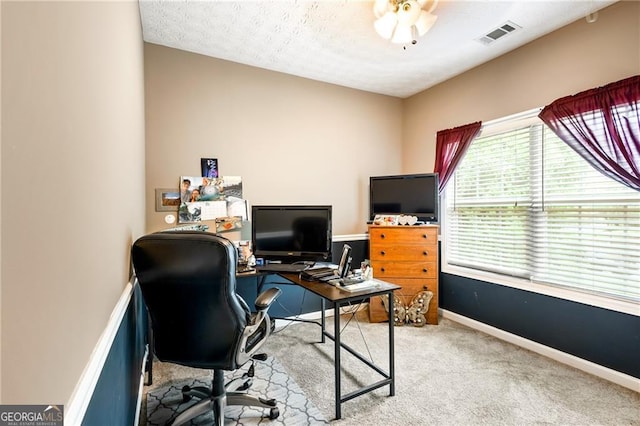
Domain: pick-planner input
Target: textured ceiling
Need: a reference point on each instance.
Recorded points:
(334, 41)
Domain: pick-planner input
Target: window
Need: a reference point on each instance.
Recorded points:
(523, 204)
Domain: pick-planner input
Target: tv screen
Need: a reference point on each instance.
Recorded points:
(413, 195)
(291, 233)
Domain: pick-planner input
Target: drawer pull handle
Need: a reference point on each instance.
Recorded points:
(424, 270)
(381, 269)
(382, 236)
(382, 253)
(424, 235)
(425, 253)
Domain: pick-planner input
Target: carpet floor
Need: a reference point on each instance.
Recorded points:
(164, 401)
(447, 374)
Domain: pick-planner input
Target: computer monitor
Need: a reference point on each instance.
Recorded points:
(345, 261)
(413, 195)
(291, 233)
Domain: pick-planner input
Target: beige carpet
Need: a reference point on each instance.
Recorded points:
(451, 375)
(445, 375)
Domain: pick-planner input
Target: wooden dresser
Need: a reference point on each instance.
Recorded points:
(406, 256)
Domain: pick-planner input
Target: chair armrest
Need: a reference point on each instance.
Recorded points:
(263, 301)
(266, 298)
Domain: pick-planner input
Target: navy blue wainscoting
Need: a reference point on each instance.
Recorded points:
(293, 301)
(602, 336)
(115, 397)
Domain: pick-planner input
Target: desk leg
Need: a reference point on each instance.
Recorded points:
(336, 342)
(323, 318)
(392, 374)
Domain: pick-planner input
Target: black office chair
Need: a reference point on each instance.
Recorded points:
(188, 281)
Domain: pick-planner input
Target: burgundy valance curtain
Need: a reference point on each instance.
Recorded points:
(603, 126)
(451, 144)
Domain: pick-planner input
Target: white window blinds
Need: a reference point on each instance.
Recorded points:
(524, 204)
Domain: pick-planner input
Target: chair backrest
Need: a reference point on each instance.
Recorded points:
(188, 281)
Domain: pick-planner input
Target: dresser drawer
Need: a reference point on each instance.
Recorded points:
(407, 252)
(410, 286)
(403, 235)
(386, 269)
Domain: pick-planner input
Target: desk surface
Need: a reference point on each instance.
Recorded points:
(326, 290)
(335, 294)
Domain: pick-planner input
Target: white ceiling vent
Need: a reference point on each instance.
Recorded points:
(499, 32)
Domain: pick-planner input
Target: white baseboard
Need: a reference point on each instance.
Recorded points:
(76, 408)
(621, 379)
(141, 385)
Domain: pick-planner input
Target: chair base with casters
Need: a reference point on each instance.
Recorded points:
(219, 396)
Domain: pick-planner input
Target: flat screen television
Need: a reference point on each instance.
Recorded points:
(413, 195)
(291, 233)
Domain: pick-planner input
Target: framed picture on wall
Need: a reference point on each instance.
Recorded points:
(167, 199)
(209, 167)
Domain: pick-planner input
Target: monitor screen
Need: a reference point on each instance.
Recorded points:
(414, 195)
(291, 233)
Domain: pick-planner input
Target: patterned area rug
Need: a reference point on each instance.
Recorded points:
(270, 380)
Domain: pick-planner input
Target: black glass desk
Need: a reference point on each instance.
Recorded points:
(336, 298)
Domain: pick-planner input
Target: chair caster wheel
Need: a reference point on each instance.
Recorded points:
(246, 385)
(270, 402)
(185, 396)
(274, 413)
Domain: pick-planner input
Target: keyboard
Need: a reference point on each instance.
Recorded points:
(282, 267)
(319, 274)
(321, 270)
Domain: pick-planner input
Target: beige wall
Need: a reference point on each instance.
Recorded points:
(577, 57)
(291, 139)
(297, 141)
(72, 185)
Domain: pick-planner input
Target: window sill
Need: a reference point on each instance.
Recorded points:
(622, 306)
